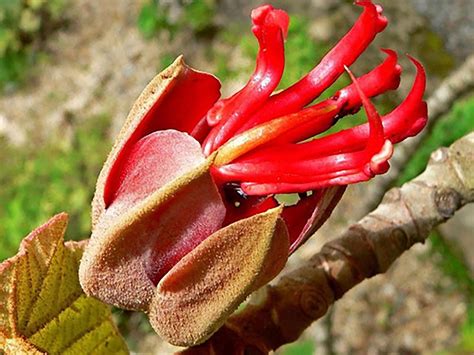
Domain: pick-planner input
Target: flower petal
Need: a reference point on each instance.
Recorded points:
(194, 299)
(176, 98)
(310, 213)
(145, 233)
(152, 162)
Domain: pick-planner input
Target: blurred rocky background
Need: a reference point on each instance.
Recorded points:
(71, 69)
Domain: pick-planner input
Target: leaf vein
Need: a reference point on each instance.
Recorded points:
(74, 299)
(83, 334)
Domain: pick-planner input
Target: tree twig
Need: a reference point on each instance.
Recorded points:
(405, 217)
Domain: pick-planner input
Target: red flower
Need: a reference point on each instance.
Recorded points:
(186, 223)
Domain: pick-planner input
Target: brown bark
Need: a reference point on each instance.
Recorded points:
(405, 217)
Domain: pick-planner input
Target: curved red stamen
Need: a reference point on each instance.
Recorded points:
(381, 79)
(266, 132)
(409, 118)
(294, 171)
(349, 48)
(283, 187)
(384, 77)
(337, 178)
(376, 136)
(404, 121)
(303, 171)
(317, 118)
(322, 171)
(269, 27)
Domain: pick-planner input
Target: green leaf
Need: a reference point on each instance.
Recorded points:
(42, 306)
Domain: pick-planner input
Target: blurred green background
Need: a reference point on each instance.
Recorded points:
(70, 69)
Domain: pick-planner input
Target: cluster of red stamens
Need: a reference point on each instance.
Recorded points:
(263, 140)
(260, 136)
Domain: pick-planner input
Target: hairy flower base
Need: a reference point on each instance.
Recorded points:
(185, 220)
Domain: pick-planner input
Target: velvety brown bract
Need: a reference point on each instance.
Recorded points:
(194, 299)
(125, 263)
(114, 266)
(161, 91)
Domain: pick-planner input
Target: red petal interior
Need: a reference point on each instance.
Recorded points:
(187, 219)
(191, 96)
(153, 161)
(309, 214)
